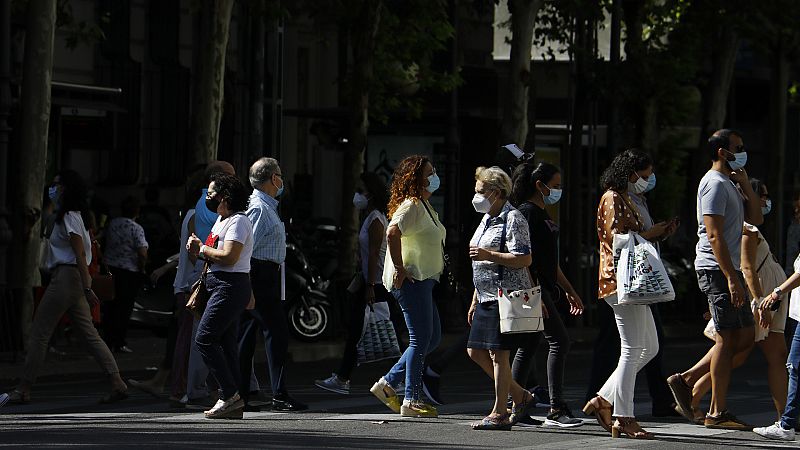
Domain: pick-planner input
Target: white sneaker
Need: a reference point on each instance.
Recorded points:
(775, 431)
(232, 408)
(334, 384)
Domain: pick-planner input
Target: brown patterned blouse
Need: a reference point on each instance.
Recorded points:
(615, 215)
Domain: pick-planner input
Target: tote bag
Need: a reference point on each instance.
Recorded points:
(378, 340)
(520, 311)
(641, 276)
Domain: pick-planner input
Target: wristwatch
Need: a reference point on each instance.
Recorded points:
(778, 291)
(200, 252)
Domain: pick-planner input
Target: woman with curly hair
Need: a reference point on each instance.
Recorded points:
(227, 251)
(616, 214)
(414, 262)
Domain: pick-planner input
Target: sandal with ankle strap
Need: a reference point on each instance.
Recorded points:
(490, 422)
(625, 427)
(595, 407)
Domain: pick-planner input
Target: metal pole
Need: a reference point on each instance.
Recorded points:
(5, 132)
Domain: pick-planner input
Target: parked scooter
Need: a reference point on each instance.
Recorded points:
(307, 305)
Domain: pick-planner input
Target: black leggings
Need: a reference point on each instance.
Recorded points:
(555, 333)
(356, 325)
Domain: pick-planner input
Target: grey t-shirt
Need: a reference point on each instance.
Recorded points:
(718, 196)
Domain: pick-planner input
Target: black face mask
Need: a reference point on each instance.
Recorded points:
(212, 204)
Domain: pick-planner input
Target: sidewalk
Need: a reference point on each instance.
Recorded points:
(149, 350)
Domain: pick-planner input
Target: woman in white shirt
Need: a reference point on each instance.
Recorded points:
(414, 262)
(69, 291)
(371, 199)
(227, 250)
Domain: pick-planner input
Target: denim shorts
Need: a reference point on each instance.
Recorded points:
(726, 316)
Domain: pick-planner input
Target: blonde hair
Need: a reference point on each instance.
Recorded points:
(494, 178)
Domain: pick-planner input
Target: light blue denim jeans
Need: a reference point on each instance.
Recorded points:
(792, 411)
(424, 334)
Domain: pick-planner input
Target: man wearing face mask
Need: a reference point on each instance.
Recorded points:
(722, 210)
(269, 252)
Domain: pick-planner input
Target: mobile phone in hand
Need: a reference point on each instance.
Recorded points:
(775, 306)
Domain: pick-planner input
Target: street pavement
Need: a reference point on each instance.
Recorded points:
(65, 413)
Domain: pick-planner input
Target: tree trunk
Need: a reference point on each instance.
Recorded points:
(613, 130)
(514, 128)
(362, 40)
(257, 88)
(715, 101)
(578, 213)
(34, 123)
(777, 140)
(209, 92)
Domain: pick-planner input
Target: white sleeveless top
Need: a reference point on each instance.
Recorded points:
(363, 245)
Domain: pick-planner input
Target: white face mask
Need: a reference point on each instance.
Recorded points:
(360, 201)
(638, 187)
(481, 203)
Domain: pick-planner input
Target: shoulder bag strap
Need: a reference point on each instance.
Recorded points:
(437, 223)
(501, 270)
(763, 262)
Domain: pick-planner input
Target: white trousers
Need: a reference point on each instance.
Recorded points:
(637, 333)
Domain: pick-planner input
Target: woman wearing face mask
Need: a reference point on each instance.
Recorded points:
(534, 187)
(69, 291)
(616, 214)
(762, 274)
(371, 200)
(414, 262)
(500, 250)
(227, 251)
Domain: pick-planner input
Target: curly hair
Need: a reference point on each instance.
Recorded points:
(407, 181)
(616, 176)
(525, 177)
(231, 189)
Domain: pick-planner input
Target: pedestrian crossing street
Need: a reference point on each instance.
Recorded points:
(142, 412)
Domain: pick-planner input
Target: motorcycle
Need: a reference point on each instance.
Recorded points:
(307, 304)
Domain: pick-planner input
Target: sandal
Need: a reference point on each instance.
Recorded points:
(17, 397)
(114, 397)
(490, 422)
(629, 427)
(600, 408)
(524, 410)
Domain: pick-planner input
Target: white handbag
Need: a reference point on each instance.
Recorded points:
(520, 311)
(641, 276)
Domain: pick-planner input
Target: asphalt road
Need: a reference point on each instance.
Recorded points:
(65, 413)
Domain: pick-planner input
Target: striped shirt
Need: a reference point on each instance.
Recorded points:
(268, 230)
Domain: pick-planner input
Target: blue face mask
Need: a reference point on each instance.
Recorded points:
(52, 193)
(434, 183)
(280, 189)
(739, 161)
(651, 183)
(766, 209)
(553, 198)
